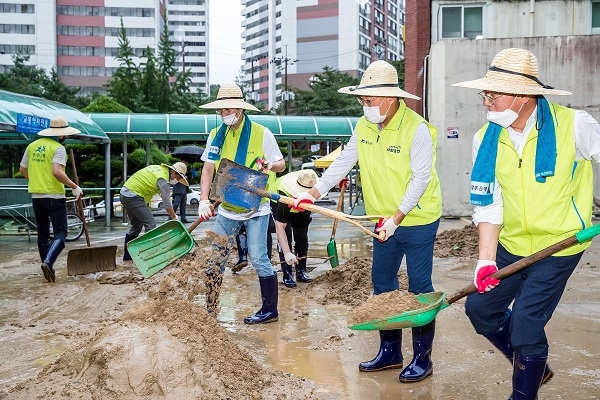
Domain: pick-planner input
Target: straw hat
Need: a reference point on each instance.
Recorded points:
(298, 181)
(380, 79)
(513, 71)
(230, 96)
(181, 170)
(58, 127)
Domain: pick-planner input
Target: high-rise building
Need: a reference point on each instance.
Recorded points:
(80, 39)
(287, 42)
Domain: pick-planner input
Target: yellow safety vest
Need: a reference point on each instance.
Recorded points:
(537, 215)
(143, 182)
(384, 160)
(41, 179)
(255, 149)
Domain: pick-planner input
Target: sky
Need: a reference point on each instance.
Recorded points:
(225, 40)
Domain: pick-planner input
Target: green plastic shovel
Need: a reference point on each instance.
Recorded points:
(332, 246)
(435, 301)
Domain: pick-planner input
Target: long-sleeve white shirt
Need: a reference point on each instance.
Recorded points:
(587, 145)
(421, 156)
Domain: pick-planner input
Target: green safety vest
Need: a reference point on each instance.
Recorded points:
(538, 215)
(143, 182)
(384, 160)
(41, 179)
(255, 149)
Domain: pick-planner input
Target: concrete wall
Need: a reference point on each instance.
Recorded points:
(566, 62)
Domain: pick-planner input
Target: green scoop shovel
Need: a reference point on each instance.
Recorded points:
(435, 301)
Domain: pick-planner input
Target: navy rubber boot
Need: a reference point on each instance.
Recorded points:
(54, 249)
(268, 311)
(500, 338)
(128, 238)
(421, 366)
(528, 373)
(389, 355)
(288, 278)
(301, 269)
(242, 248)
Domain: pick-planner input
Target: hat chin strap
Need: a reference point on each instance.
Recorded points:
(533, 78)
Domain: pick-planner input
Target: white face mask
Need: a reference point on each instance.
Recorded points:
(173, 181)
(504, 118)
(230, 119)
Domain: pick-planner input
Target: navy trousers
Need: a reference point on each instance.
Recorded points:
(536, 291)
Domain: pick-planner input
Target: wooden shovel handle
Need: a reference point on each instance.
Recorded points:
(339, 208)
(519, 265)
(79, 201)
(198, 220)
(311, 207)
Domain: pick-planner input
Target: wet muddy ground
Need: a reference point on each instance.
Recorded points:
(118, 336)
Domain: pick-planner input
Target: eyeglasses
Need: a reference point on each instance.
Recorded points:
(368, 103)
(490, 98)
(225, 111)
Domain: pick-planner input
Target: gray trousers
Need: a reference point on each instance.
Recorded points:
(139, 214)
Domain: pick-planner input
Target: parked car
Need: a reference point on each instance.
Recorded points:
(193, 198)
(99, 210)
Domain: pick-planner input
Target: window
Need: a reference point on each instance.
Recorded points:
(596, 16)
(459, 22)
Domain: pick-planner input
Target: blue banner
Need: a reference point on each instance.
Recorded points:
(31, 124)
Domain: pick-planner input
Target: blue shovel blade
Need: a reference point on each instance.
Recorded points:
(233, 181)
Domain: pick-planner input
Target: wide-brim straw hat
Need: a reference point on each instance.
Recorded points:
(58, 127)
(513, 71)
(381, 80)
(230, 96)
(181, 170)
(297, 182)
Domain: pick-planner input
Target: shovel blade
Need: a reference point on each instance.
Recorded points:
(160, 246)
(91, 259)
(231, 183)
(332, 253)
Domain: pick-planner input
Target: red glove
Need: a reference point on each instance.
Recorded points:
(483, 280)
(303, 197)
(264, 165)
(344, 182)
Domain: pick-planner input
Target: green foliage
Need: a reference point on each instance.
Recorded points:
(105, 104)
(323, 97)
(399, 65)
(124, 83)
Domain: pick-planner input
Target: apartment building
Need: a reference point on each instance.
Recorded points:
(285, 43)
(80, 38)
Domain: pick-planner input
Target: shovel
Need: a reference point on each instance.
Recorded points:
(435, 301)
(162, 245)
(90, 259)
(243, 187)
(331, 246)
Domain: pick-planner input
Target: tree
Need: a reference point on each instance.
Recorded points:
(166, 71)
(55, 89)
(323, 98)
(105, 104)
(123, 86)
(399, 65)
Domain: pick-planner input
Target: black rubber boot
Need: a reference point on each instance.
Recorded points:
(421, 366)
(213, 281)
(43, 250)
(288, 278)
(268, 311)
(54, 249)
(128, 238)
(242, 249)
(301, 269)
(389, 355)
(528, 373)
(500, 338)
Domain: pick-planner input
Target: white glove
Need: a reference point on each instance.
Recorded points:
(77, 192)
(482, 279)
(388, 226)
(307, 197)
(204, 209)
(264, 164)
(290, 258)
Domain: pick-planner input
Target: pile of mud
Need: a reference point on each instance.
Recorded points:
(383, 306)
(461, 243)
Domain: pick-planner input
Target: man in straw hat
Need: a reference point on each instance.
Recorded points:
(532, 186)
(395, 148)
(293, 224)
(138, 190)
(43, 165)
(242, 141)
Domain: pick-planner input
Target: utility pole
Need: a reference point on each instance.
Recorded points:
(285, 95)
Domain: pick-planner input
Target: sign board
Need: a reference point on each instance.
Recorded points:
(452, 132)
(315, 147)
(31, 124)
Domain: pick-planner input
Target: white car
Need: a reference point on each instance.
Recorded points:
(98, 210)
(193, 198)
